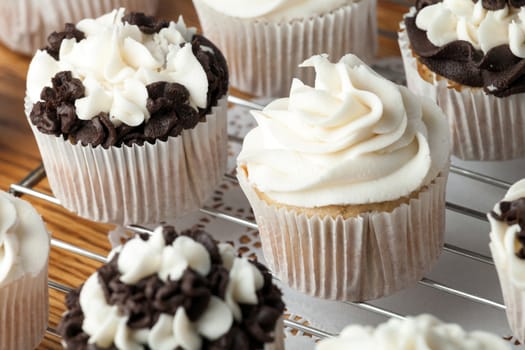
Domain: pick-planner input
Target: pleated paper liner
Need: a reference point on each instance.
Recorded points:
(263, 57)
(138, 184)
(26, 24)
(513, 297)
(482, 127)
(359, 258)
(24, 311)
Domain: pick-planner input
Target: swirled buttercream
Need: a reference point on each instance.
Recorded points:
(116, 61)
(24, 241)
(507, 222)
(275, 10)
(354, 138)
(423, 332)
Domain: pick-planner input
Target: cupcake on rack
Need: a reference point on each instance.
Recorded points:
(129, 114)
(25, 25)
(175, 291)
(24, 252)
(469, 57)
(347, 182)
(507, 244)
(265, 41)
(423, 332)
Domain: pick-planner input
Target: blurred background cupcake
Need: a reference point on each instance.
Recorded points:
(413, 333)
(347, 182)
(469, 57)
(24, 252)
(25, 24)
(129, 114)
(265, 41)
(507, 245)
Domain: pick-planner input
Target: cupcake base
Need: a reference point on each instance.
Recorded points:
(24, 311)
(482, 127)
(264, 56)
(138, 184)
(359, 258)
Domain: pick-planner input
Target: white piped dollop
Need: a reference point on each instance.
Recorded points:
(353, 138)
(116, 61)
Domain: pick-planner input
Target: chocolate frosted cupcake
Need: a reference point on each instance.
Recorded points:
(469, 57)
(129, 114)
(175, 291)
(507, 244)
(24, 251)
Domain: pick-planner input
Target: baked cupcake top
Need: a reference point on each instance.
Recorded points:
(275, 10)
(124, 79)
(474, 43)
(507, 222)
(354, 138)
(174, 291)
(24, 241)
(424, 332)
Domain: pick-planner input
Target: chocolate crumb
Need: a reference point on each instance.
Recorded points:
(513, 213)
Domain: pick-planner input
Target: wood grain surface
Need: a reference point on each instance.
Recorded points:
(19, 155)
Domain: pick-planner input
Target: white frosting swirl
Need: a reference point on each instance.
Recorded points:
(503, 241)
(452, 20)
(423, 332)
(353, 138)
(139, 259)
(116, 61)
(275, 10)
(24, 241)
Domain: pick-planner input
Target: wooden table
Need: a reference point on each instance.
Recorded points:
(19, 155)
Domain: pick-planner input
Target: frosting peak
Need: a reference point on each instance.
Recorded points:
(369, 139)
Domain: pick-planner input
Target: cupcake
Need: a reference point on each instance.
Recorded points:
(24, 250)
(175, 291)
(264, 42)
(25, 24)
(347, 182)
(469, 57)
(423, 332)
(507, 222)
(129, 114)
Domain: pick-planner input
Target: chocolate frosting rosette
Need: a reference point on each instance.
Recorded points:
(469, 56)
(175, 291)
(129, 114)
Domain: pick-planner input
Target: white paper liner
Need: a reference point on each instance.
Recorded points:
(482, 127)
(26, 24)
(138, 184)
(513, 297)
(24, 311)
(362, 258)
(263, 57)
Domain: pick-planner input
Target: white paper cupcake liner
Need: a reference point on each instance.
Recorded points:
(513, 297)
(138, 184)
(24, 311)
(482, 127)
(26, 24)
(361, 258)
(263, 57)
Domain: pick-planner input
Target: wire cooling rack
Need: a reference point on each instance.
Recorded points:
(316, 328)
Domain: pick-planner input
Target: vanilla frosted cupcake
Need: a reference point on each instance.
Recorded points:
(423, 332)
(24, 250)
(507, 243)
(129, 114)
(347, 182)
(175, 291)
(265, 41)
(469, 57)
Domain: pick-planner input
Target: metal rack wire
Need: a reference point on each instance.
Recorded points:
(25, 187)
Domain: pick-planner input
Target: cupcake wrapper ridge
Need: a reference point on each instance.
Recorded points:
(356, 259)
(264, 56)
(138, 184)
